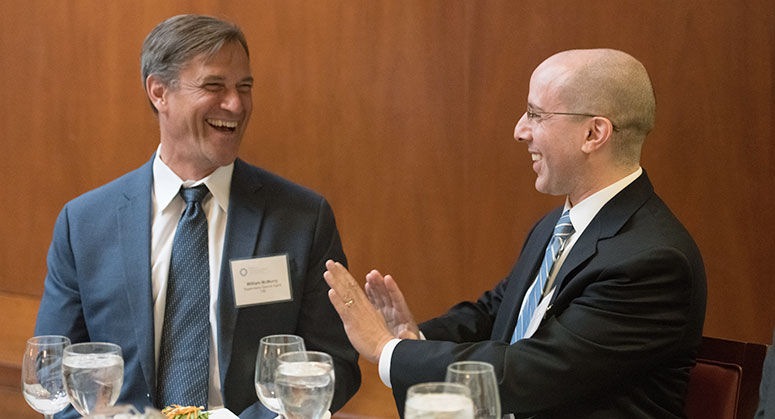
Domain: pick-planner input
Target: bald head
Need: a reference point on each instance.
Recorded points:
(609, 83)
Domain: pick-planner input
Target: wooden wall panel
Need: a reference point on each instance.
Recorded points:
(17, 326)
(401, 113)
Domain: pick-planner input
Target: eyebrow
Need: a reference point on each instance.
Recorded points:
(216, 78)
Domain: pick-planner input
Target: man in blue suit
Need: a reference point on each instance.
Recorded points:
(766, 408)
(113, 250)
(607, 323)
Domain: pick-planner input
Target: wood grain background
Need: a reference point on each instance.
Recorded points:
(401, 113)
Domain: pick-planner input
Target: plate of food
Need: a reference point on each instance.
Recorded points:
(193, 412)
(222, 414)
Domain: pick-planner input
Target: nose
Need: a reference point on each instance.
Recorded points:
(233, 101)
(522, 129)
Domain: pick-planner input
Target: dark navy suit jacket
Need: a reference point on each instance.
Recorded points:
(618, 339)
(98, 286)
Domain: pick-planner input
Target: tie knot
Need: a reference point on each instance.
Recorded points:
(195, 194)
(564, 227)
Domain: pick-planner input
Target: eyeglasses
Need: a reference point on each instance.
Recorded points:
(533, 115)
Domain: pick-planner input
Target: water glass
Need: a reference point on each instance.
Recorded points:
(479, 377)
(93, 373)
(269, 349)
(304, 382)
(42, 384)
(438, 401)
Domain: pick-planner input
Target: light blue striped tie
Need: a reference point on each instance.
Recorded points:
(562, 231)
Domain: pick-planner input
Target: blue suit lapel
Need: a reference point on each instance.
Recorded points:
(246, 212)
(134, 236)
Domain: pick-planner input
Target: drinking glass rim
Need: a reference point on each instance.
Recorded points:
(291, 339)
(462, 366)
(323, 356)
(114, 348)
(55, 340)
(421, 386)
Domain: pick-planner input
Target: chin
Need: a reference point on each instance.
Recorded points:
(541, 187)
(226, 161)
(548, 189)
(224, 155)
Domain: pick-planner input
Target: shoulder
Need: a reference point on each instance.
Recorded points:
(640, 217)
(637, 232)
(115, 192)
(654, 221)
(654, 247)
(249, 178)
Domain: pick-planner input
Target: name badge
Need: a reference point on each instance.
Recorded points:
(261, 280)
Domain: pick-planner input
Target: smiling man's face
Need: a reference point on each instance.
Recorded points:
(554, 141)
(204, 113)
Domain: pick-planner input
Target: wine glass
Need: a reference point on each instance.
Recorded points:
(479, 377)
(438, 401)
(42, 384)
(93, 372)
(269, 349)
(304, 382)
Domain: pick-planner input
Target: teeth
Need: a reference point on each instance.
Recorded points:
(219, 123)
(535, 156)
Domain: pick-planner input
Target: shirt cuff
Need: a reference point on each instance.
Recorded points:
(386, 357)
(384, 361)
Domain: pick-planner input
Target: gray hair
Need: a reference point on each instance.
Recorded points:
(177, 40)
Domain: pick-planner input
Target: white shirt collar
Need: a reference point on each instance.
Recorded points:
(583, 213)
(166, 184)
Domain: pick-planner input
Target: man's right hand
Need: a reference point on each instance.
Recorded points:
(384, 294)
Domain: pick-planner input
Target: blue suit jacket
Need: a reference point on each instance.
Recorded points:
(98, 286)
(766, 408)
(618, 339)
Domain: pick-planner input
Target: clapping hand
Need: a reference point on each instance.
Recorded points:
(384, 293)
(363, 323)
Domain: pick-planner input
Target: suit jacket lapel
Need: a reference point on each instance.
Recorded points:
(134, 236)
(523, 275)
(246, 211)
(608, 221)
(606, 224)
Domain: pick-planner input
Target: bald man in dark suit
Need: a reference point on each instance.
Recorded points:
(605, 325)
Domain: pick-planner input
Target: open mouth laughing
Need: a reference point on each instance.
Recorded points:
(221, 125)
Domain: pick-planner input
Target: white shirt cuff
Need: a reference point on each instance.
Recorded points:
(384, 361)
(386, 357)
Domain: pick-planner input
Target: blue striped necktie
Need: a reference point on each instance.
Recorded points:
(184, 357)
(562, 231)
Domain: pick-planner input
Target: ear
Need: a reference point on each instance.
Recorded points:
(599, 132)
(156, 91)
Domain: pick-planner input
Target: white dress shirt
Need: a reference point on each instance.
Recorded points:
(580, 215)
(168, 206)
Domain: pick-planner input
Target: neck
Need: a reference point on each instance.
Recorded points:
(599, 182)
(185, 171)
